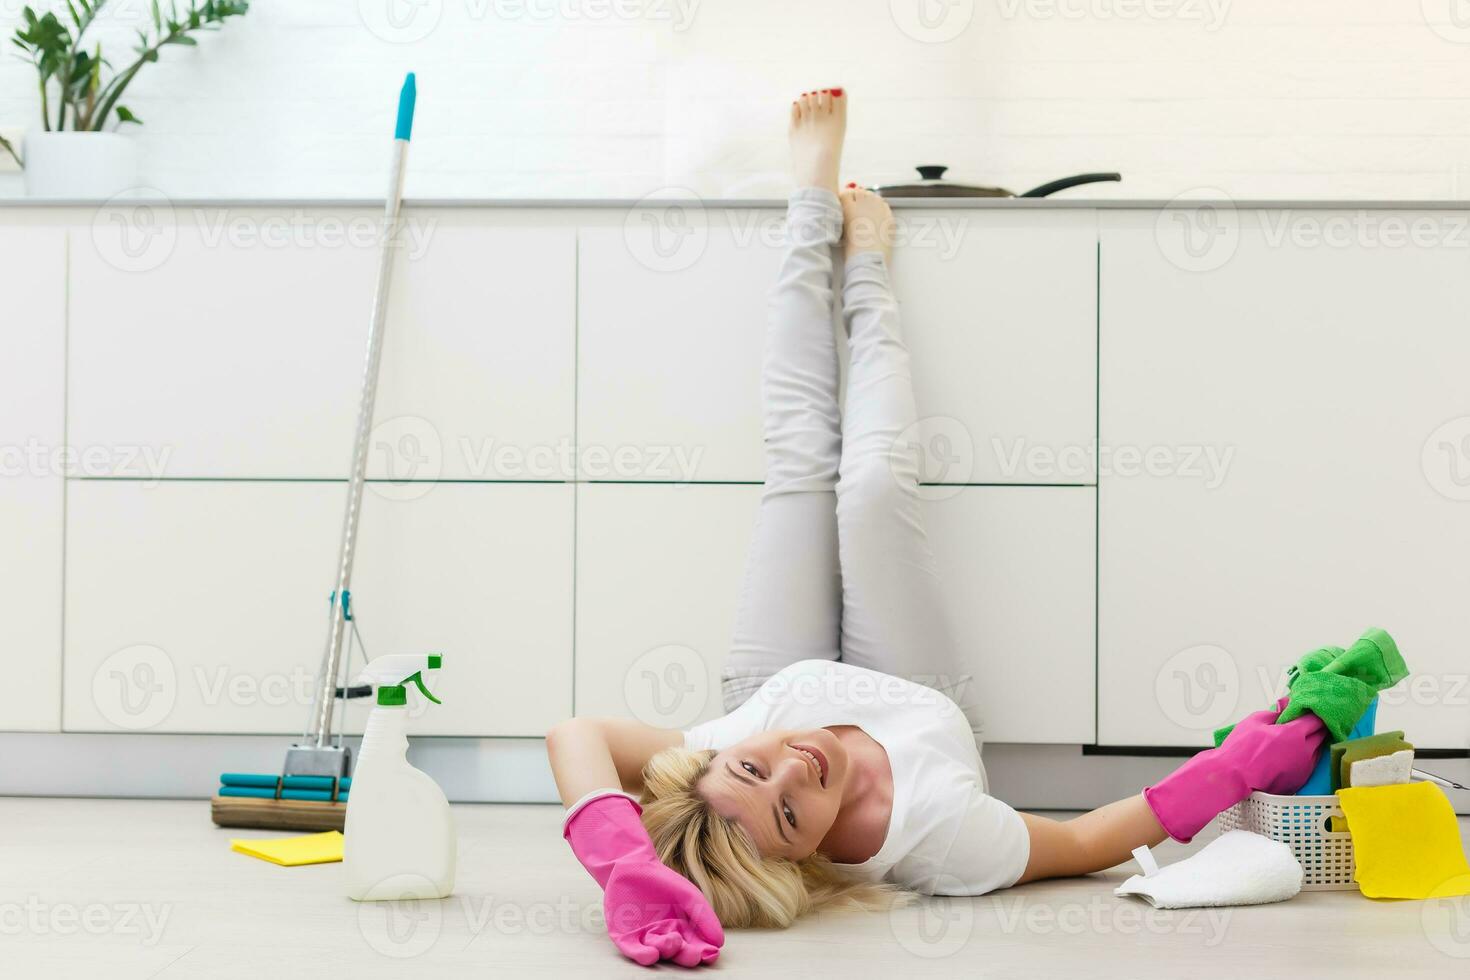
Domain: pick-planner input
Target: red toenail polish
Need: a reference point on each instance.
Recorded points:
(852, 185)
(825, 91)
(837, 91)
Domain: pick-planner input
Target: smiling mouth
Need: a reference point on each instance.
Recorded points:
(817, 759)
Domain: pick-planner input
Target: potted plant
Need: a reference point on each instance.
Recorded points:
(79, 152)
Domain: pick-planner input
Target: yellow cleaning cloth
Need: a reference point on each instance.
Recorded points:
(292, 851)
(1406, 841)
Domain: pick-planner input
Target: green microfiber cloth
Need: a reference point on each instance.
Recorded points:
(1344, 754)
(1336, 684)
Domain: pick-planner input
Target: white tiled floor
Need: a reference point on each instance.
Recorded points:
(119, 889)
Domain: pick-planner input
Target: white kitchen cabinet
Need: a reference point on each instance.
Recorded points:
(202, 606)
(1323, 366)
(235, 346)
(659, 571)
(669, 348)
(1000, 312)
(1019, 565)
(1285, 458)
(481, 347)
(196, 606)
(32, 464)
(483, 574)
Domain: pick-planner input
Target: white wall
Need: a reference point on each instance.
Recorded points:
(599, 98)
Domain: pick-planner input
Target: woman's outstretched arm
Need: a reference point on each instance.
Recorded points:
(1258, 754)
(589, 754)
(1092, 842)
(652, 913)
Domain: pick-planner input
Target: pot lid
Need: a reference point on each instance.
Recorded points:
(931, 183)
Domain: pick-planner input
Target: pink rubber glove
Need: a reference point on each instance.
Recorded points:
(653, 913)
(1257, 755)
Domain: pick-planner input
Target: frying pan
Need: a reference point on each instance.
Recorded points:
(931, 183)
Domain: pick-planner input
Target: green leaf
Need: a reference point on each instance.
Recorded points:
(124, 115)
(47, 34)
(5, 145)
(89, 102)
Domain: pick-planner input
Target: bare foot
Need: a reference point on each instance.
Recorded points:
(818, 123)
(867, 222)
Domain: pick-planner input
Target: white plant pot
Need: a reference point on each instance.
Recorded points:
(79, 165)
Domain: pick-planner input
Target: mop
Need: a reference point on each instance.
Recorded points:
(314, 784)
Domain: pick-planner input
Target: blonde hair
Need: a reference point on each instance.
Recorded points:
(745, 889)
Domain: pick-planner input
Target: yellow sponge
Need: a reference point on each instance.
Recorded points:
(292, 851)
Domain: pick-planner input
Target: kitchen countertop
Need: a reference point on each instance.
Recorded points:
(999, 204)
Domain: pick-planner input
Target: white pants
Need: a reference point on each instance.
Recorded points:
(840, 567)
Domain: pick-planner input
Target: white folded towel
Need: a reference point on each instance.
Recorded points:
(1240, 868)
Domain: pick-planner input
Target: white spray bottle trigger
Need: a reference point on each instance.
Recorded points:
(400, 669)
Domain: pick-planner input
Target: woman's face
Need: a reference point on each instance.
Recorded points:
(782, 788)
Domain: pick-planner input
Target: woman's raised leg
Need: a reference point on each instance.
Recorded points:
(896, 618)
(791, 601)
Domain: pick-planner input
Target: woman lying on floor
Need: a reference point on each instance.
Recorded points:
(848, 768)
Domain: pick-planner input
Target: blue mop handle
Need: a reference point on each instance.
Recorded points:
(319, 730)
(406, 97)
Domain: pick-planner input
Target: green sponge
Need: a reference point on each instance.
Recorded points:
(1344, 754)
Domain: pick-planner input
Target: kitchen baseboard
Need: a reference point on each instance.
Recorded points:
(510, 770)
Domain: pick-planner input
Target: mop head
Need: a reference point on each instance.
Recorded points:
(267, 814)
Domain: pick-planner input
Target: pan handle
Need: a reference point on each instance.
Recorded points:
(1046, 190)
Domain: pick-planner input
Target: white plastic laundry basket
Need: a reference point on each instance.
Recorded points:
(1302, 823)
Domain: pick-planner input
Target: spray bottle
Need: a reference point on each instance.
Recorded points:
(400, 839)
